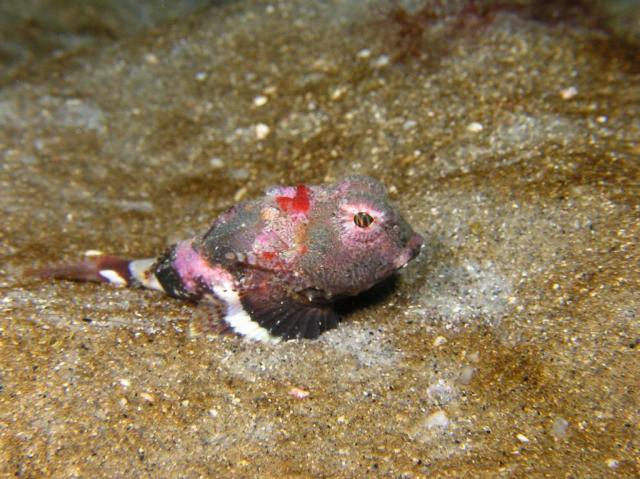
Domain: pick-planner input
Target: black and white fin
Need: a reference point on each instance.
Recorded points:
(237, 317)
(286, 316)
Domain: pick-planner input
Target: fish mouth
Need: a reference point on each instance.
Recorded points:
(414, 245)
(410, 251)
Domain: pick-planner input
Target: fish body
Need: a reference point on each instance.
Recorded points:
(271, 268)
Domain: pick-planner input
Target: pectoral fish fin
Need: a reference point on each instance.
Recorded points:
(287, 315)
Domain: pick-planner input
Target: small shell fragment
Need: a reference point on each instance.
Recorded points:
(147, 397)
(439, 341)
(262, 131)
(475, 127)
(299, 393)
(568, 93)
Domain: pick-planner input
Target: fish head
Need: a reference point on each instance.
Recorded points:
(355, 238)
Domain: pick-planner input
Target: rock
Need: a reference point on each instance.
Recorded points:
(437, 419)
(466, 374)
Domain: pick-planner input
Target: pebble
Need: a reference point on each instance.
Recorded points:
(559, 428)
(613, 463)
(437, 419)
(151, 59)
(216, 163)
(522, 437)
(262, 131)
(239, 174)
(299, 393)
(260, 100)
(125, 383)
(474, 357)
(568, 93)
(466, 375)
(338, 92)
(439, 341)
(381, 61)
(137, 206)
(240, 194)
(441, 392)
(147, 397)
(475, 127)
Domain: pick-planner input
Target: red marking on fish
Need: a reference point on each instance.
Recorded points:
(268, 255)
(298, 204)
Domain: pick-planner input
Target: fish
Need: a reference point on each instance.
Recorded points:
(272, 268)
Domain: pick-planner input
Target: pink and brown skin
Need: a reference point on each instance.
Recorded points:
(271, 268)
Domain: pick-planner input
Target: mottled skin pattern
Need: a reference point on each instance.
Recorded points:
(271, 268)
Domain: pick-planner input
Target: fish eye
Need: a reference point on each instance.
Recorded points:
(362, 219)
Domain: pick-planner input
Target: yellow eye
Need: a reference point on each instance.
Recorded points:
(362, 219)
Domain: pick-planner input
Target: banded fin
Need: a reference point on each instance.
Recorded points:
(101, 268)
(96, 267)
(287, 316)
(239, 319)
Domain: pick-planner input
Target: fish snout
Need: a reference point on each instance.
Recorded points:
(414, 245)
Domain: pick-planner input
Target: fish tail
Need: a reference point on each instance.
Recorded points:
(100, 268)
